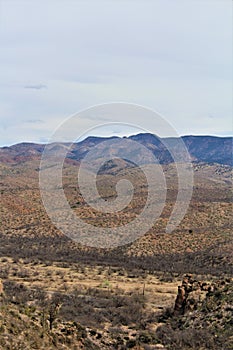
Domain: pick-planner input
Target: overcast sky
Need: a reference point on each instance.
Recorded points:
(57, 57)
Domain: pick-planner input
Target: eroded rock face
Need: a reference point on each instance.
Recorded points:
(1, 287)
(190, 294)
(180, 300)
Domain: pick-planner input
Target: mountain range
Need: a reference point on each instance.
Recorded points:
(207, 149)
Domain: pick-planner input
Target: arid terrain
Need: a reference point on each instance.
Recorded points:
(58, 294)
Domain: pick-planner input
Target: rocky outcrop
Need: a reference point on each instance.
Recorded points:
(1, 287)
(190, 294)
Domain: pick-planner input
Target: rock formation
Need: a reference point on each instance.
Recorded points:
(190, 294)
(1, 287)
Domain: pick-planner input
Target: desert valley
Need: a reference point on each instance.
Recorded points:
(162, 291)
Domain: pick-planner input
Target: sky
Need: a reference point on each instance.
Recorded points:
(60, 57)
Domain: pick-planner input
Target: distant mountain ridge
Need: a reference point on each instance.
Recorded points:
(207, 149)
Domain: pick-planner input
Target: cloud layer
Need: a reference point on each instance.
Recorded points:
(58, 57)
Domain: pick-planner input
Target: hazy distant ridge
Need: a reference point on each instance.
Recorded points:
(208, 149)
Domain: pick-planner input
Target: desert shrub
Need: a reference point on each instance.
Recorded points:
(131, 343)
(145, 337)
(185, 339)
(16, 292)
(62, 250)
(165, 314)
(4, 272)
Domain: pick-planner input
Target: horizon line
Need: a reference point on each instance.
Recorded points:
(120, 136)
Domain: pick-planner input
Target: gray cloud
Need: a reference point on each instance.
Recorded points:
(34, 121)
(36, 86)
